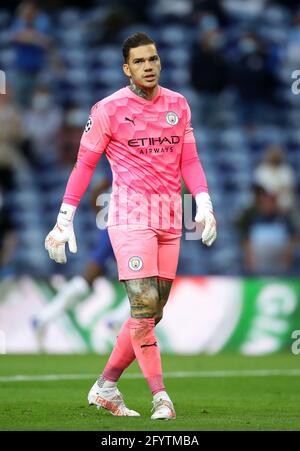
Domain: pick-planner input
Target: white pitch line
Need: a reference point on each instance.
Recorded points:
(174, 374)
(45, 377)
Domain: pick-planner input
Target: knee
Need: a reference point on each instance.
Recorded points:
(144, 303)
(158, 316)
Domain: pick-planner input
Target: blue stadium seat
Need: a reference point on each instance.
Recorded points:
(110, 56)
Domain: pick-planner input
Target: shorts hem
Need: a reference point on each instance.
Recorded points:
(136, 276)
(167, 276)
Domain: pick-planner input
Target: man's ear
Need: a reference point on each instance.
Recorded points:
(126, 69)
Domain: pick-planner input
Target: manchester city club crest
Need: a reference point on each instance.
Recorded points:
(88, 125)
(135, 263)
(172, 118)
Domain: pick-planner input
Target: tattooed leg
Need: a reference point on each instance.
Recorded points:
(148, 297)
(164, 288)
(143, 296)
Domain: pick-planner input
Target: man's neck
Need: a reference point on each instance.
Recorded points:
(148, 95)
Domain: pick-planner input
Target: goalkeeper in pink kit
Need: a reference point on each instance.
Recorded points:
(146, 132)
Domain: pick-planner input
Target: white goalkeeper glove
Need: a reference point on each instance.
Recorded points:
(61, 234)
(205, 217)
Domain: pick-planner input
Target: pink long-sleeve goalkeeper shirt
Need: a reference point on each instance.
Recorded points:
(149, 144)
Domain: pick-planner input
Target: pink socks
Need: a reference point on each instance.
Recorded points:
(121, 357)
(147, 351)
(136, 340)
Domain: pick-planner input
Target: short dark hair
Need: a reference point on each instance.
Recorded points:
(133, 41)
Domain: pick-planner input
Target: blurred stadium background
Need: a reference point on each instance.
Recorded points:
(234, 60)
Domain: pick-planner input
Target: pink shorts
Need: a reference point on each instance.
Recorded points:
(144, 252)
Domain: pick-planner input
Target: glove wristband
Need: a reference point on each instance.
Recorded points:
(203, 200)
(66, 214)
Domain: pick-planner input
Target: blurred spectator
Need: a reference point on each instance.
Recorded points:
(106, 29)
(244, 9)
(277, 176)
(268, 236)
(74, 122)
(43, 124)
(291, 4)
(201, 8)
(7, 234)
(11, 136)
(208, 66)
(31, 41)
(291, 49)
(251, 74)
(209, 71)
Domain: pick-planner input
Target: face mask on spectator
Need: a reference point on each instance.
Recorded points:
(41, 102)
(217, 41)
(248, 46)
(208, 22)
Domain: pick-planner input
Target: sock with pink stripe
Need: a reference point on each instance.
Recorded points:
(147, 352)
(121, 357)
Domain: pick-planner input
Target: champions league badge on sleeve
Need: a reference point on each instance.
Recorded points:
(88, 125)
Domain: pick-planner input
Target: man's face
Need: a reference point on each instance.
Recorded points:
(143, 66)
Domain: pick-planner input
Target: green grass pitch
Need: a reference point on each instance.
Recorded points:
(223, 392)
